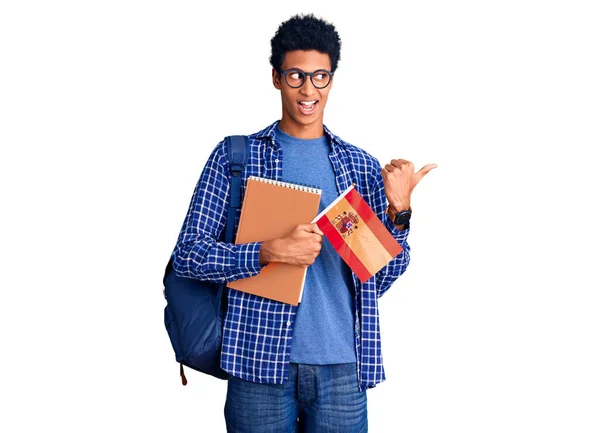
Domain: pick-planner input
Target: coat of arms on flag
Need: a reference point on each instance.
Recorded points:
(357, 234)
(346, 223)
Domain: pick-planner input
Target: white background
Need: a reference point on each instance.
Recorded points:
(108, 111)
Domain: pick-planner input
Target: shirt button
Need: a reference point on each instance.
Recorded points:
(289, 323)
(276, 160)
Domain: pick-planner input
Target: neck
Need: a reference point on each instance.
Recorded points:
(304, 132)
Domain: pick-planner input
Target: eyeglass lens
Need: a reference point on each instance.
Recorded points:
(319, 78)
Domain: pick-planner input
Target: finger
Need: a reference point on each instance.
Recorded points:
(317, 230)
(316, 237)
(426, 169)
(389, 167)
(400, 162)
(310, 228)
(385, 174)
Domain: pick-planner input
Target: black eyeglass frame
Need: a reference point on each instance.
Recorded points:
(304, 74)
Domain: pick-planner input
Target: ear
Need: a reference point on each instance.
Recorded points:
(277, 79)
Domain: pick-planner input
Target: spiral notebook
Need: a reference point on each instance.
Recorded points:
(271, 209)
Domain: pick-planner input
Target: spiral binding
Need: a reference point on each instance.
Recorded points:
(299, 187)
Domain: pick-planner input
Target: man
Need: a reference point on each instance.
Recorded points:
(300, 368)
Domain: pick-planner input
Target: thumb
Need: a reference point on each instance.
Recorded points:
(314, 228)
(426, 169)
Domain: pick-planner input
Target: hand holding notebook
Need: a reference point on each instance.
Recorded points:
(299, 247)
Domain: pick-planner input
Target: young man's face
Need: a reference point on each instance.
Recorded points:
(300, 116)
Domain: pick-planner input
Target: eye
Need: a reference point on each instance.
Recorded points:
(295, 75)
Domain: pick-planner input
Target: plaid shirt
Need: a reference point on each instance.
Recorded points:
(257, 333)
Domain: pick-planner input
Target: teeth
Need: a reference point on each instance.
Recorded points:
(308, 102)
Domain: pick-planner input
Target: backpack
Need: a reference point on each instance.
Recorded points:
(195, 309)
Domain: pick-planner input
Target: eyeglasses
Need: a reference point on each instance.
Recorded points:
(295, 77)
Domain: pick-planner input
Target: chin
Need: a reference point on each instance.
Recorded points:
(308, 120)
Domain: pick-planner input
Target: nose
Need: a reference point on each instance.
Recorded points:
(308, 88)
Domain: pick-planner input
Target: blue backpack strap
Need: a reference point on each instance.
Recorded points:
(238, 149)
(237, 146)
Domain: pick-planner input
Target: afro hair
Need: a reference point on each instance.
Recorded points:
(305, 32)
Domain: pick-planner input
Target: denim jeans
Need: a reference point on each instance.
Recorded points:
(317, 398)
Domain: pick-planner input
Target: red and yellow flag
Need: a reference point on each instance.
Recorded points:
(357, 234)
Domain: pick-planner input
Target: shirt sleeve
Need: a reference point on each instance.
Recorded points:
(396, 267)
(198, 253)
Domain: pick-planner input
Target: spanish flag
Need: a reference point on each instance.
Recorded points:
(357, 234)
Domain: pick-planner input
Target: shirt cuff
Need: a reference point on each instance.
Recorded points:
(247, 256)
(399, 235)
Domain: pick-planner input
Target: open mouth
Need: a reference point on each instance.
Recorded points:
(307, 107)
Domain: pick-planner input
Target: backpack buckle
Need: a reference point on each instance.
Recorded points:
(236, 164)
(236, 168)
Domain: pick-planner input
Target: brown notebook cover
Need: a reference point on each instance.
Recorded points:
(271, 209)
